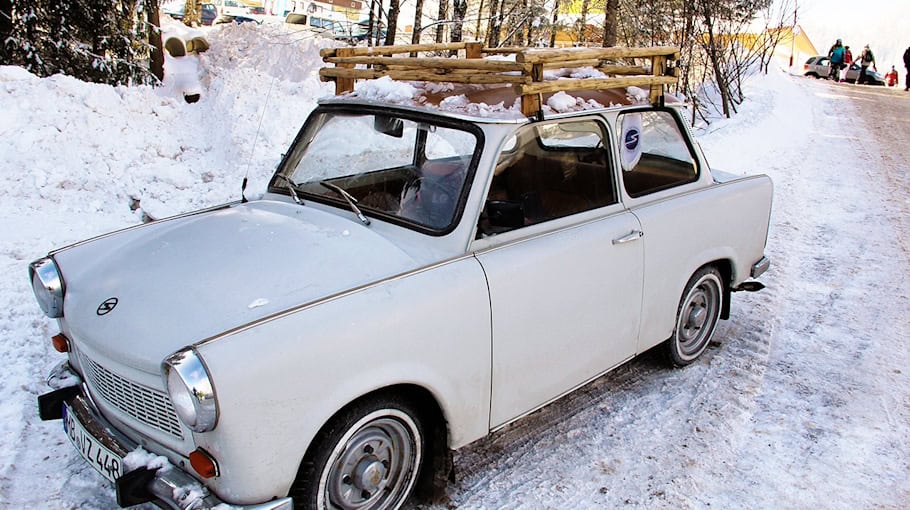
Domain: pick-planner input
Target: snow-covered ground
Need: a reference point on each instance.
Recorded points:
(802, 402)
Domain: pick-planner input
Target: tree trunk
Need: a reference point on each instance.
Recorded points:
(611, 14)
(371, 20)
(479, 18)
(459, 9)
(392, 25)
(711, 47)
(583, 21)
(491, 24)
(6, 21)
(443, 15)
(156, 55)
(554, 28)
(418, 14)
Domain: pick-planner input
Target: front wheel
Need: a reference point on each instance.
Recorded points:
(697, 316)
(367, 458)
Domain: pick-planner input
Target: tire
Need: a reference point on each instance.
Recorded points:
(696, 317)
(368, 457)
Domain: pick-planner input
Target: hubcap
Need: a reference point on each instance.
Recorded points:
(374, 466)
(698, 317)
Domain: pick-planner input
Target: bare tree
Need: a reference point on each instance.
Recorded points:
(459, 10)
(392, 25)
(555, 25)
(156, 52)
(443, 15)
(418, 14)
(611, 14)
(583, 22)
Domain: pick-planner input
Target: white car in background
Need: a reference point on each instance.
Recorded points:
(412, 280)
(820, 67)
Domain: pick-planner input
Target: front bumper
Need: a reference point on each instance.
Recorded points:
(172, 487)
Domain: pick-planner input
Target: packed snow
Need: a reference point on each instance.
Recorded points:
(803, 400)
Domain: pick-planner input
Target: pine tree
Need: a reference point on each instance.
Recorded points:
(93, 40)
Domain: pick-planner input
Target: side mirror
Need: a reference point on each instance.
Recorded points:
(391, 126)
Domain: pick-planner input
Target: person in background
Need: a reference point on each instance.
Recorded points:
(891, 77)
(848, 59)
(907, 65)
(836, 54)
(865, 60)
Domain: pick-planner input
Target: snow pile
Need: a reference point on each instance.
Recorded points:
(561, 102)
(461, 104)
(385, 90)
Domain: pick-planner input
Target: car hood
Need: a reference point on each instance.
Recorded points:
(182, 280)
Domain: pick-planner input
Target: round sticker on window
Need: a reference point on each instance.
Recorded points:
(630, 150)
(631, 141)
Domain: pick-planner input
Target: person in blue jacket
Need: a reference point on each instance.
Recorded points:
(836, 54)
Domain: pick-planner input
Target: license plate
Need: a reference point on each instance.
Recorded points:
(106, 462)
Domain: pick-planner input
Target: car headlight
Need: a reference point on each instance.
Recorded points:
(48, 286)
(190, 389)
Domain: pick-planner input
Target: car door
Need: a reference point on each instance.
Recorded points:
(563, 261)
(661, 178)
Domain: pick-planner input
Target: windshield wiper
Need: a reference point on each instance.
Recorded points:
(349, 198)
(292, 187)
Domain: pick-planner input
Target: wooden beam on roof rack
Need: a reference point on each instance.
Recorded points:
(533, 55)
(526, 72)
(393, 50)
(329, 74)
(593, 84)
(497, 66)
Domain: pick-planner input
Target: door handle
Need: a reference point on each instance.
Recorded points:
(634, 235)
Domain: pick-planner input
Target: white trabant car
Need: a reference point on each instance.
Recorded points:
(411, 281)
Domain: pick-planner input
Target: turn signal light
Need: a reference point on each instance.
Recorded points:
(203, 463)
(61, 343)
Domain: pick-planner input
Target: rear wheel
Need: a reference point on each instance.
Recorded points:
(367, 458)
(697, 316)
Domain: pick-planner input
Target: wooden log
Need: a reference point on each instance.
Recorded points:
(420, 75)
(658, 68)
(505, 50)
(622, 70)
(473, 50)
(392, 50)
(440, 63)
(531, 104)
(342, 84)
(569, 54)
(597, 64)
(593, 84)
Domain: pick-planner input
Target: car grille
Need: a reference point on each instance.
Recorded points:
(149, 406)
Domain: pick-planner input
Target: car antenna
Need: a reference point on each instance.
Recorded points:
(249, 162)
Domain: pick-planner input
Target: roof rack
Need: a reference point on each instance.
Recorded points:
(526, 73)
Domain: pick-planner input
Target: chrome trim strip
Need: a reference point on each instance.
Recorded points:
(760, 267)
(140, 225)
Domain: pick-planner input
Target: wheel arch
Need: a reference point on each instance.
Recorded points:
(725, 266)
(438, 466)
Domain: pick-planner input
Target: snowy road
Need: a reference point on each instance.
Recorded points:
(803, 401)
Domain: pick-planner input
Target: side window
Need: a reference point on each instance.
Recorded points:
(654, 154)
(548, 171)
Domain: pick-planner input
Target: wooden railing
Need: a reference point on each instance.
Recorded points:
(526, 73)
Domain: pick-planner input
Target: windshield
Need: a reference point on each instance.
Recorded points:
(390, 166)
